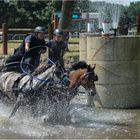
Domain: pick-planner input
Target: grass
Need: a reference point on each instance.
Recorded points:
(73, 40)
(73, 48)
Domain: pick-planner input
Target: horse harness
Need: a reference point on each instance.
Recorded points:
(45, 83)
(15, 88)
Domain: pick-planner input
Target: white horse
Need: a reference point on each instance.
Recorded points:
(23, 89)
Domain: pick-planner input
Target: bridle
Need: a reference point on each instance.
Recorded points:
(86, 79)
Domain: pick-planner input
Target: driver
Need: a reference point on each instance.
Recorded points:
(29, 50)
(57, 48)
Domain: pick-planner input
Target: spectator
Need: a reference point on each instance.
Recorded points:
(124, 24)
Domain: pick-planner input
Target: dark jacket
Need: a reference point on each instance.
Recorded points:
(32, 57)
(35, 46)
(56, 51)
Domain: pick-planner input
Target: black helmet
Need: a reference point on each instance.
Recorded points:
(40, 29)
(58, 32)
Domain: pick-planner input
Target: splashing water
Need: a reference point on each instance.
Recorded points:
(109, 13)
(116, 10)
(86, 123)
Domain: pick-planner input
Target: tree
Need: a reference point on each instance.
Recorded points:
(82, 6)
(30, 13)
(133, 10)
(33, 13)
(26, 13)
(67, 8)
(65, 20)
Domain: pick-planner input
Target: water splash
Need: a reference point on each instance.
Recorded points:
(92, 123)
(105, 13)
(109, 13)
(115, 15)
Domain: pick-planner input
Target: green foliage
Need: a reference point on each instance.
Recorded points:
(82, 5)
(27, 13)
(133, 10)
(31, 13)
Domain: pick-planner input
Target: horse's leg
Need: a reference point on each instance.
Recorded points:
(66, 105)
(36, 110)
(16, 106)
(0, 94)
(90, 97)
(93, 98)
(34, 107)
(18, 103)
(42, 107)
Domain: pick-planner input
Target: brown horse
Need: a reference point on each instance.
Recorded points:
(82, 74)
(84, 77)
(79, 74)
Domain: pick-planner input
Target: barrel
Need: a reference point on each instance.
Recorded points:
(83, 46)
(117, 62)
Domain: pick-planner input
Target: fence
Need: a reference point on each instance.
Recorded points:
(6, 34)
(17, 37)
(18, 34)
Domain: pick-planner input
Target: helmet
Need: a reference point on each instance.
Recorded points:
(40, 29)
(58, 32)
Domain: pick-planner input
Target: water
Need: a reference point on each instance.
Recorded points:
(86, 122)
(116, 11)
(109, 13)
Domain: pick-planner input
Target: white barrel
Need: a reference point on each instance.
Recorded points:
(117, 62)
(83, 46)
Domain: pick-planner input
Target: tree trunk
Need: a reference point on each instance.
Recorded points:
(65, 20)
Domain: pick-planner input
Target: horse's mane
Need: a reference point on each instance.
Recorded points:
(80, 65)
(40, 69)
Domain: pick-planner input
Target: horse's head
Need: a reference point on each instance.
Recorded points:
(83, 74)
(88, 78)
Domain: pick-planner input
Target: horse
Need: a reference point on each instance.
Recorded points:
(22, 89)
(82, 74)
(53, 83)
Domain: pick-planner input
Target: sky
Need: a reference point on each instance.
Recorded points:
(124, 2)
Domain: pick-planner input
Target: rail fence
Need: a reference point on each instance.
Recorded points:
(7, 34)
